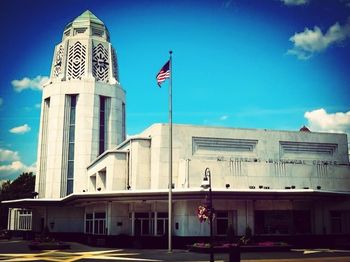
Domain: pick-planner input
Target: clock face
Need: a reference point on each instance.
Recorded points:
(58, 62)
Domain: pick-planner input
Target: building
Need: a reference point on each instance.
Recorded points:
(93, 182)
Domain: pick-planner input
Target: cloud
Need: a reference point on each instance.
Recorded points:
(14, 169)
(295, 2)
(27, 83)
(8, 155)
(20, 129)
(320, 120)
(224, 117)
(313, 40)
(11, 165)
(38, 106)
(1, 101)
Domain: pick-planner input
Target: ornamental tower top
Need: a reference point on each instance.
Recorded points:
(83, 109)
(85, 52)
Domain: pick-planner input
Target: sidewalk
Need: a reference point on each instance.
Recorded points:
(17, 250)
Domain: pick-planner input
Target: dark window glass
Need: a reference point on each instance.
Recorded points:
(222, 225)
(70, 171)
(69, 186)
(160, 227)
(336, 222)
(137, 227)
(145, 227)
(141, 215)
(88, 216)
(162, 215)
(101, 229)
(302, 221)
(96, 227)
(100, 215)
(72, 116)
(71, 134)
(102, 125)
(71, 151)
(73, 101)
(222, 214)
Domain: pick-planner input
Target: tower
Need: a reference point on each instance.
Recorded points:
(83, 108)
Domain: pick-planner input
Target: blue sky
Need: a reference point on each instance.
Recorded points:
(274, 64)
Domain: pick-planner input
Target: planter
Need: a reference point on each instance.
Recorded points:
(259, 247)
(48, 246)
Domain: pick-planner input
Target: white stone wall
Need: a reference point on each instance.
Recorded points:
(86, 129)
(264, 164)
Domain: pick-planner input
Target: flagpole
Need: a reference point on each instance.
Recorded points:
(170, 156)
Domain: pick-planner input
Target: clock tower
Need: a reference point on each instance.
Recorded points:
(83, 108)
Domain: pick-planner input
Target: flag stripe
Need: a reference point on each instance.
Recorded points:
(164, 73)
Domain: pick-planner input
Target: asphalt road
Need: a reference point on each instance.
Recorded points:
(17, 250)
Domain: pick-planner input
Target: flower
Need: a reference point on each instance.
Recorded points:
(202, 213)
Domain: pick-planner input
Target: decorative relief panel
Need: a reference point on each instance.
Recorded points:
(222, 146)
(100, 64)
(57, 68)
(76, 61)
(292, 148)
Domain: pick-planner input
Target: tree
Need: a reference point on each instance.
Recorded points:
(22, 187)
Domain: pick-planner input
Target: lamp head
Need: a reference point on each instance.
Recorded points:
(205, 183)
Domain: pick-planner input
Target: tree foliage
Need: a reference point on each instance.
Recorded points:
(22, 187)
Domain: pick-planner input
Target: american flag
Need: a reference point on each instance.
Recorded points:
(164, 73)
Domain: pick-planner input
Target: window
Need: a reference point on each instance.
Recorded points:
(97, 32)
(95, 223)
(79, 30)
(221, 223)
(88, 223)
(302, 221)
(24, 219)
(162, 223)
(275, 222)
(100, 223)
(335, 222)
(123, 122)
(102, 128)
(71, 141)
(143, 224)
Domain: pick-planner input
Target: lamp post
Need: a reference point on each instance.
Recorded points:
(206, 183)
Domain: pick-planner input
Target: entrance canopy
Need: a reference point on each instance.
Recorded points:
(85, 198)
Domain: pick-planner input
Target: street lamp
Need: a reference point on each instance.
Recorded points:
(206, 183)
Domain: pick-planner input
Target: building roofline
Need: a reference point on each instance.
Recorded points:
(180, 194)
(242, 128)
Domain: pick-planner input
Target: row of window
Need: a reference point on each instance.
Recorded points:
(271, 222)
(150, 223)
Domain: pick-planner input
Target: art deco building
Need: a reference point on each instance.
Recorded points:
(92, 182)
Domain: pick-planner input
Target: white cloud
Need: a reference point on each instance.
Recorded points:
(20, 129)
(38, 106)
(313, 40)
(295, 2)
(224, 117)
(27, 83)
(14, 169)
(320, 120)
(8, 155)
